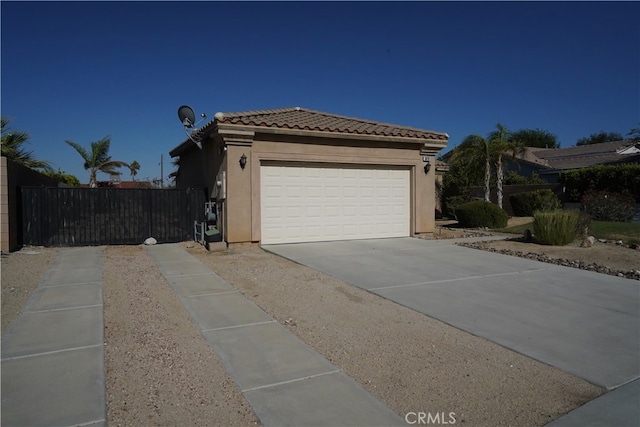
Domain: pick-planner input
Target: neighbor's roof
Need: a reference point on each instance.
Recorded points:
(587, 155)
(297, 118)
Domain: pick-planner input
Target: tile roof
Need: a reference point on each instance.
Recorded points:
(582, 156)
(310, 120)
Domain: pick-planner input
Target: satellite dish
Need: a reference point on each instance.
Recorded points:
(187, 116)
(188, 119)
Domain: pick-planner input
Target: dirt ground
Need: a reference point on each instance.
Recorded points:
(161, 371)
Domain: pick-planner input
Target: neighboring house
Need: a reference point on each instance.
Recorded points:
(549, 163)
(298, 175)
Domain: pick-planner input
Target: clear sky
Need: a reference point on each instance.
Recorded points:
(84, 70)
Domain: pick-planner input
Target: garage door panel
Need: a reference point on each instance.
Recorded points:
(304, 204)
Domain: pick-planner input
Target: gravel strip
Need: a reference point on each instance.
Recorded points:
(159, 368)
(410, 361)
(595, 267)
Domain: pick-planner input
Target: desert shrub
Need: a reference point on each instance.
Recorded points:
(525, 204)
(607, 206)
(481, 214)
(452, 202)
(557, 228)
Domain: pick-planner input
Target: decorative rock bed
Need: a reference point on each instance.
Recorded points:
(630, 274)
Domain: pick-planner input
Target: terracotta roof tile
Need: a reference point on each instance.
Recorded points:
(305, 119)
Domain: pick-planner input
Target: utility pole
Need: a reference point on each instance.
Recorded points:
(161, 172)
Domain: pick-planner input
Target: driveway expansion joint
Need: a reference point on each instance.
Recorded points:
(224, 328)
(63, 309)
(295, 380)
(46, 353)
(213, 293)
(62, 285)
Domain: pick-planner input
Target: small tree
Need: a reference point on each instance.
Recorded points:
(70, 180)
(600, 137)
(536, 138)
(502, 144)
(634, 135)
(98, 159)
(134, 167)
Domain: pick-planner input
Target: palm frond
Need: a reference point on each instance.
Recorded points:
(12, 145)
(83, 153)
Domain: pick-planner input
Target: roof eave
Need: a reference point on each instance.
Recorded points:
(189, 144)
(438, 142)
(344, 135)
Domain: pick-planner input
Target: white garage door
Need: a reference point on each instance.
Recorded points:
(311, 204)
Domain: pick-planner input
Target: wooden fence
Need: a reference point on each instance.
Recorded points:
(108, 216)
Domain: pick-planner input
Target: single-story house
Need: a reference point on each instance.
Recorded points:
(297, 175)
(549, 163)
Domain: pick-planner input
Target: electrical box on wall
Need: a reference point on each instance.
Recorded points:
(220, 192)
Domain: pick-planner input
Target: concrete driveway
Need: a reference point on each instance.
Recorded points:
(584, 323)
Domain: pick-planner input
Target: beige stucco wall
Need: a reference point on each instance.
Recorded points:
(240, 214)
(4, 206)
(242, 208)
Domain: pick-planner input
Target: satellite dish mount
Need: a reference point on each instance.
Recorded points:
(188, 119)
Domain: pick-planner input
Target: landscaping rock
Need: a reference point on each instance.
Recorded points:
(629, 274)
(589, 242)
(150, 241)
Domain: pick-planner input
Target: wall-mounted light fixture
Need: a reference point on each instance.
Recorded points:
(427, 165)
(243, 161)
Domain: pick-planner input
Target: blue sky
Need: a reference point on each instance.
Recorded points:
(82, 70)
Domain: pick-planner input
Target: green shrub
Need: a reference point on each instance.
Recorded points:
(612, 178)
(481, 214)
(452, 202)
(526, 204)
(555, 228)
(606, 206)
(514, 178)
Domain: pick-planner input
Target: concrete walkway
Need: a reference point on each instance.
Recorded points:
(53, 355)
(285, 381)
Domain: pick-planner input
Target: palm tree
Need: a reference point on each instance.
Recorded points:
(98, 159)
(12, 142)
(501, 143)
(475, 150)
(134, 167)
